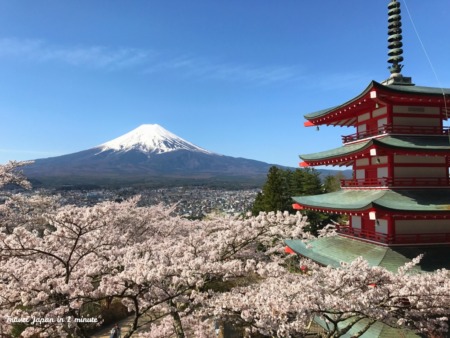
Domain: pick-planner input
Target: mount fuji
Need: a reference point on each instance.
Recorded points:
(148, 155)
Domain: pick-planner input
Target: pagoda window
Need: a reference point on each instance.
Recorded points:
(381, 226)
(382, 173)
(362, 162)
(356, 222)
(379, 112)
(376, 160)
(381, 122)
(364, 117)
(360, 174)
(362, 128)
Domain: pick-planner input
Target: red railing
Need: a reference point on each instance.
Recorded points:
(364, 182)
(364, 234)
(396, 182)
(403, 130)
(424, 238)
(364, 134)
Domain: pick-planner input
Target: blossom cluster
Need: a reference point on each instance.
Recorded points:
(178, 277)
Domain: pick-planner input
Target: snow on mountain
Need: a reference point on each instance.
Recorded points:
(150, 138)
(148, 155)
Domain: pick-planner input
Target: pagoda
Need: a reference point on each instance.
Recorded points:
(398, 199)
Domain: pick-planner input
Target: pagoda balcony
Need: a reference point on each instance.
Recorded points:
(399, 130)
(396, 182)
(399, 239)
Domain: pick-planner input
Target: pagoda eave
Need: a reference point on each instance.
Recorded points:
(378, 211)
(432, 202)
(336, 249)
(377, 95)
(348, 160)
(383, 145)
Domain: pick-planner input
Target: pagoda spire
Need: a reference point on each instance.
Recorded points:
(395, 45)
(395, 37)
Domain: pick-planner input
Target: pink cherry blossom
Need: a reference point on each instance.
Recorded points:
(179, 277)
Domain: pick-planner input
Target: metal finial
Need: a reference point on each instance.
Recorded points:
(395, 38)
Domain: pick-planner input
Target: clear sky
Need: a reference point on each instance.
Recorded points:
(232, 76)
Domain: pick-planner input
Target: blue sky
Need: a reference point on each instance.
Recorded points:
(234, 77)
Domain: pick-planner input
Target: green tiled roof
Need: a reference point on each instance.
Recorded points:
(423, 200)
(418, 89)
(435, 143)
(344, 199)
(418, 200)
(394, 88)
(336, 152)
(333, 250)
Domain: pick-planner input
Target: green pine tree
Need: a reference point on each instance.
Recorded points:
(275, 192)
(333, 182)
(282, 185)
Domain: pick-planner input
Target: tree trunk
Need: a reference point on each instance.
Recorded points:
(178, 327)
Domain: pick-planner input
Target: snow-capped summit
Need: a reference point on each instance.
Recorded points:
(150, 138)
(148, 155)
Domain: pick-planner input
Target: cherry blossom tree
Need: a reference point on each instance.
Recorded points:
(168, 273)
(285, 304)
(50, 275)
(56, 262)
(151, 263)
(178, 276)
(11, 174)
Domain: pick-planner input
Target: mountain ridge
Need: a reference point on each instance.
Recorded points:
(147, 153)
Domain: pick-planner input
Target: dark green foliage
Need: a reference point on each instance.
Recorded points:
(292, 263)
(276, 189)
(333, 183)
(258, 204)
(305, 182)
(282, 184)
(17, 329)
(275, 193)
(317, 220)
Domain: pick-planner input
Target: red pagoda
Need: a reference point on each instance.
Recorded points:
(398, 199)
